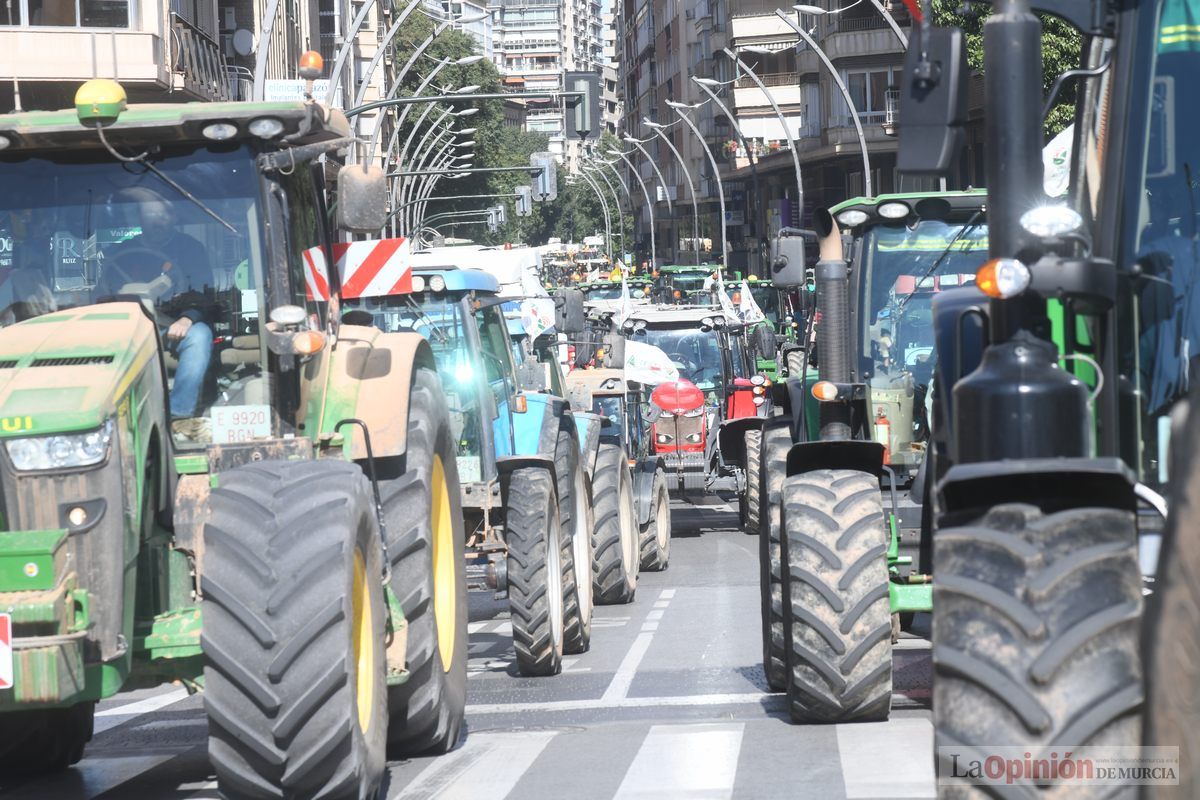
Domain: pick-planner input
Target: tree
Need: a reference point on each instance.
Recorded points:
(1061, 50)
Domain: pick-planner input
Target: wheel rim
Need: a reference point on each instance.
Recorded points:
(445, 594)
(581, 549)
(629, 543)
(362, 643)
(554, 591)
(660, 520)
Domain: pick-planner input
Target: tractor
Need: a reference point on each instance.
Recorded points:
(208, 477)
(1068, 376)
(874, 353)
(700, 420)
(526, 499)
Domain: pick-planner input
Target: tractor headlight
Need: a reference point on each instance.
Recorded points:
(663, 438)
(693, 438)
(61, 452)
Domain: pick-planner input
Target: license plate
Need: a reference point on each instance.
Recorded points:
(6, 652)
(232, 424)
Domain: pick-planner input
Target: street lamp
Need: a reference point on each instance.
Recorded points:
(423, 186)
(779, 116)
(707, 86)
(447, 140)
(681, 109)
(654, 165)
(604, 208)
(598, 170)
(837, 79)
(817, 11)
(649, 203)
(660, 130)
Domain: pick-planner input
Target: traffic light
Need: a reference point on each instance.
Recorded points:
(545, 183)
(492, 224)
(501, 214)
(585, 108)
(524, 201)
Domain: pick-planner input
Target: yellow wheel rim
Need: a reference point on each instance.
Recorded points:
(362, 643)
(445, 566)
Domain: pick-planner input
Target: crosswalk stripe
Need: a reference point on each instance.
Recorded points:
(118, 715)
(89, 778)
(873, 765)
(488, 764)
(694, 761)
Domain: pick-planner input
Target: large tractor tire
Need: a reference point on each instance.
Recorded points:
(836, 585)
(535, 573)
(575, 514)
(423, 515)
(1035, 639)
(656, 534)
(293, 640)
(37, 742)
(796, 362)
(615, 535)
(1172, 636)
(752, 519)
(775, 446)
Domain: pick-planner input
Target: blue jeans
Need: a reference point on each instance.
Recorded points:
(194, 352)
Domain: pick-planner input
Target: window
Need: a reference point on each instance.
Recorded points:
(303, 220)
(68, 13)
(868, 90)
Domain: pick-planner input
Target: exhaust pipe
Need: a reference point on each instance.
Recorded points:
(833, 332)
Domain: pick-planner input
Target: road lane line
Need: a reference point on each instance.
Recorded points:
(694, 761)
(623, 679)
(873, 766)
(666, 594)
(661, 603)
(650, 626)
(656, 613)
(119, 715)
(486, 765)
(769, 701)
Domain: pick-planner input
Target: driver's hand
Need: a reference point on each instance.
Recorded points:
(179, 329)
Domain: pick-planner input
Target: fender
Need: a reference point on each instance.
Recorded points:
(535, 430)
(370, 377)
(505, 465)
(731, 437)
(587, 426)
(856, 454)
(958, 343)
(643, 486)
(1051, 484)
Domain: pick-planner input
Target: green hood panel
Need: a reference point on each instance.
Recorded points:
(67, 371)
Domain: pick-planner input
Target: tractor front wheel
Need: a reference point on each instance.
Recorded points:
(535, 574)
(776, 443)
(751, 519)
(656, 535)
(36, 742)
(1035, 639)
(836, 586)
(423, 513)
(615, 534)
(293, 638)
(575, 504)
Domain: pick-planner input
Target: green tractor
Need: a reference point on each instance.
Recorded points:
(1068, 378)
(206, 477)
(852, 455)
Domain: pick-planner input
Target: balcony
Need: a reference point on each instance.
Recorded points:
(189, 63)
(784, 88)
(867, 42)
(763, 26)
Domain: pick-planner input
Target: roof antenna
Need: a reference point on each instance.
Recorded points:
(16, 83)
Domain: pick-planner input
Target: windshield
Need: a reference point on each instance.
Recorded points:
(696, 354)
(768, 301)
(439, 318)
(906, 267)
(604, 292)
(77, 227)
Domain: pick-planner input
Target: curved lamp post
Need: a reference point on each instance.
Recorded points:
(405, 190)
(706, 85)
(603, 207)
(425, 191)
(681, 109)
(425, 184)
(654, 164)
(598, 170)
(446, 138)
(649, 203)
(837, 79)
(660, 131)
(817, 11)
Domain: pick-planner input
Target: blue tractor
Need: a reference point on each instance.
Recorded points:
(525, 490)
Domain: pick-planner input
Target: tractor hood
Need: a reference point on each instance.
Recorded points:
(66, 371)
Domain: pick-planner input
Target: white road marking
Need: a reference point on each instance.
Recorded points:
(650, 626)
(744, 698)
(694, 761)
(666, 594)
(119, 715)
(661, 603)
(873, 766)
(656, 614)
(913, 644)
(488, 764)
(623, 678)
(609, 622)
(476, 627)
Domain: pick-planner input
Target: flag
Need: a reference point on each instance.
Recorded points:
(648, 364)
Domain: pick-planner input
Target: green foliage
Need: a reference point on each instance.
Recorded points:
(1061, 51)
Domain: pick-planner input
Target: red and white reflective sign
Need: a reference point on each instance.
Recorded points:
(6, 652)
(370, 268)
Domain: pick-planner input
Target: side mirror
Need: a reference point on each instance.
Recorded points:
(933, 103)
(569, 317)
(362, 198)
(787, 259)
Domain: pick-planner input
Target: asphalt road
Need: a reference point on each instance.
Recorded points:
(669, 702)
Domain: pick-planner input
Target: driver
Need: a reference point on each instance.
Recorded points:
(183, 314)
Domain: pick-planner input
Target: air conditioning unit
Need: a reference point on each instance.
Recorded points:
(689, 13)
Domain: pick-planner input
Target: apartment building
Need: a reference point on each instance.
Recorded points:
(610, 98)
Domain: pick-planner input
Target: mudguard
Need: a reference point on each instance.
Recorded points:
(536, 428)
(587, 426)
(370, 376)
(505, 465)
(863, 456)
(1051, 484)
(732, 438)
(958, 343)
(643, 486)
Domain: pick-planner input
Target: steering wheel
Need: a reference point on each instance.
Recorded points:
(126, 253)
